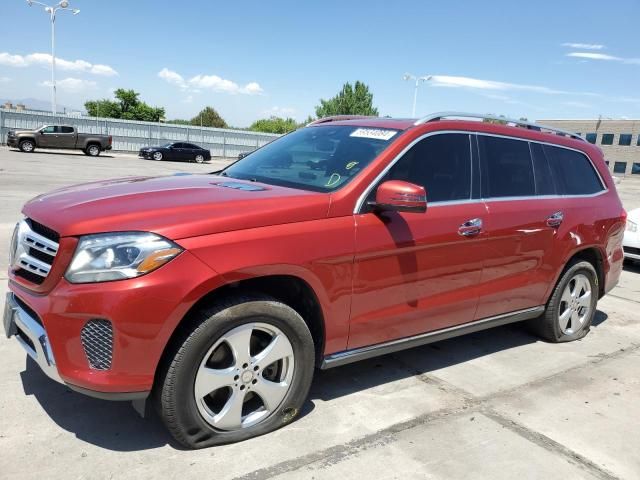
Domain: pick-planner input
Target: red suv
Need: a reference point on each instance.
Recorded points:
(216, 296)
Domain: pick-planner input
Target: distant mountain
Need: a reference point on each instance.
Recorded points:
(37, 104)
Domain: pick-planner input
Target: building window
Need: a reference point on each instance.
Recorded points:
(607, 139)
(625, 139)
(635, 168)
(591, 137)
(638, 142)
(620, 167)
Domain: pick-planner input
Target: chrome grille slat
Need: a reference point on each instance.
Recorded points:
(27, 249)
(33, 265)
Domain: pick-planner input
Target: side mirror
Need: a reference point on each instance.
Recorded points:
(399, 196)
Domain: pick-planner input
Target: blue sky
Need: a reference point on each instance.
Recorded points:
(542, 59)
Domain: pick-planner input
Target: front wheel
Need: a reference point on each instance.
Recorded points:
(157, 156)
(242, 369)
(27, 146)
(572, 305)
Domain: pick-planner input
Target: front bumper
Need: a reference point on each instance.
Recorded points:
(30, 333)
(631, 245)
(12, 142)
(144, 312)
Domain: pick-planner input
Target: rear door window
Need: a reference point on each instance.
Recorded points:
(66, 129)
(507, 169)
(573, 171)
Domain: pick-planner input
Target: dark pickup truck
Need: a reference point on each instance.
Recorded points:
(59, 137)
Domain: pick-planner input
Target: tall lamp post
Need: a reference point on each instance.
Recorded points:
(63, 5)
(408, 76)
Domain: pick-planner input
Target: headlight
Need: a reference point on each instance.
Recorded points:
(116, 256)
(632, 226)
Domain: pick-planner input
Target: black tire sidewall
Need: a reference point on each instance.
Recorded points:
(586, 269)
(187, 424)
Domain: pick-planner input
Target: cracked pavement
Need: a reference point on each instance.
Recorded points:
(493, 404)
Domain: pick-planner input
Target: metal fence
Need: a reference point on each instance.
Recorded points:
(130, 135)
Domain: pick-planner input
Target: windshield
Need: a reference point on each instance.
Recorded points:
(320, 159)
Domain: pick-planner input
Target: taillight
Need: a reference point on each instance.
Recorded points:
(110, 139)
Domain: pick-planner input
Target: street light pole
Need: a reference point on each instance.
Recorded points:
(408, 76)
(52, 10)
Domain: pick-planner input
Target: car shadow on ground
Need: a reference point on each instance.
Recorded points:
(116, 426)
(73, 153)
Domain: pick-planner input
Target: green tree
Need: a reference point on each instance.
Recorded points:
(274, 125)
(351, 100)
(127, 105)
(209, 117)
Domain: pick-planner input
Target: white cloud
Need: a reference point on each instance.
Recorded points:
(45, 59)
(171, 77)
(604, 57)
(280, 111)
(71, 84)
(209, 82)
(584, 46)
(479, 84)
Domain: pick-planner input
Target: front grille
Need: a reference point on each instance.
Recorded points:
(97, 341)
(632, 250)
(33, 250)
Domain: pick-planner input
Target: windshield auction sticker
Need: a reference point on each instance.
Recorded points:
(376, 133)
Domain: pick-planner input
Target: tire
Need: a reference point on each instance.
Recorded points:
(157, 156)
(198, 419)
(568, 317)
(92, 150)
(199, 158)
(27, 146)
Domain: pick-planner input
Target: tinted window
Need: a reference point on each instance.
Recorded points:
(625, 139)
(66, 129)
(542, 171)
(635, 168)
(507, 167)
(573, 172)
(441, 164)
(620, 167)
(191, 146)
(607, 139)
(591, 137)
(49, 130)
(178, 145)
(638, 141)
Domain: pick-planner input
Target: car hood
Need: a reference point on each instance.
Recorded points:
(176, 207)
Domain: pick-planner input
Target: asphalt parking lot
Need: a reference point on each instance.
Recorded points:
(495, 404)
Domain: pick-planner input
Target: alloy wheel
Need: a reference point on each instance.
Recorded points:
(199, 158)
(157, 156)
(575, 304)
(244, 376)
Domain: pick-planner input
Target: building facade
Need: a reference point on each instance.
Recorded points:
(619, 140)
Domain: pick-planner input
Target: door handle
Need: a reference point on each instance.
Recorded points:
(470, 227)
(555, 219)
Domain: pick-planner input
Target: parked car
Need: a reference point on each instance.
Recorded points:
(631, 242)
(222, 293)
(176, 151)
(241, 155)
(59, 137)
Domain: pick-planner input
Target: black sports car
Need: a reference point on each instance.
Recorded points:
(176, 151)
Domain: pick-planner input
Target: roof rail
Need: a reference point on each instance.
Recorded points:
(337, 118)
(519, 123)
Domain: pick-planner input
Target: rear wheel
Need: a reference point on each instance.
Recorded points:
(199, 158)
(92, 150)
(27, 146)
(572, 305)
(243, 369)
